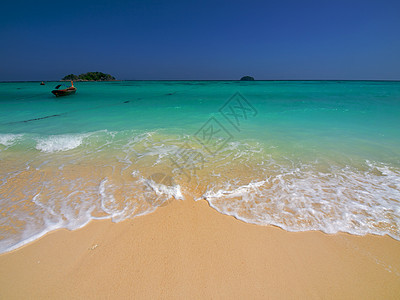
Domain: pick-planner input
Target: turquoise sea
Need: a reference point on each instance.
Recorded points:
(301, 155)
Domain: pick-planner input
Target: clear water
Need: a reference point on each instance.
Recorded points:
(302, 155)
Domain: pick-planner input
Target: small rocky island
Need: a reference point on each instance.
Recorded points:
(247, 78)
(89, 76)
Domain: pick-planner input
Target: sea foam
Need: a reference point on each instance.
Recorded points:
(9, 139)
(58, 143)
(343, 200)
(242, 180)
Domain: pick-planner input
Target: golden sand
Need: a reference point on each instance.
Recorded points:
(188, 250)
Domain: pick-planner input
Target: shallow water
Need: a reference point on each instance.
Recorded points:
(312, 155)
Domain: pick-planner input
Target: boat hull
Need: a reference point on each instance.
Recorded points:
(65, 92)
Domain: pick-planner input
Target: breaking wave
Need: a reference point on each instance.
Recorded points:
(65, 181)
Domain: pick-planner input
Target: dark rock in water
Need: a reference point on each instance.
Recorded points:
(247, 78)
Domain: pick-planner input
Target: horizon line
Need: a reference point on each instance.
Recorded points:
(388, 80)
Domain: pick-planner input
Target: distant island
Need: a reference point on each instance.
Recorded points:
(247, 78)
(89, 76)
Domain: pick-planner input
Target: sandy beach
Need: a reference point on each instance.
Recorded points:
(200, 150)
(188, 250)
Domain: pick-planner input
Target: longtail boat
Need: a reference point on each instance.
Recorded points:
(64, 92)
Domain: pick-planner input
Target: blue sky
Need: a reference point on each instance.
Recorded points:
(44, 40)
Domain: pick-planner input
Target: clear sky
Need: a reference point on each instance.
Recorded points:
(44, 40)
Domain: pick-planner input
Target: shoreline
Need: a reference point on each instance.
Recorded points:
(187, 249)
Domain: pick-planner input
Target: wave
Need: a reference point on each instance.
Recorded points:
(9, 139)
(342, 200)
(53, 201)
(58, 143)
(64, 181)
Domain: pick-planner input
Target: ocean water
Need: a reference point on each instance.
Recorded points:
(301, 155)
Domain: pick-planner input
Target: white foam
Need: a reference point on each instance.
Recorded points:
(137, 197)
(58, 143)
(165, 190)
(345, 200)
(43, 206)
(109, 203)
(7, 246)
(9, 139)
(300, 198)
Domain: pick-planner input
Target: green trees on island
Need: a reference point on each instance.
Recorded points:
(89, 76)
(99, 76)
(247, 78)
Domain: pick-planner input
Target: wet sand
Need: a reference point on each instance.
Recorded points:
(188, 250)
